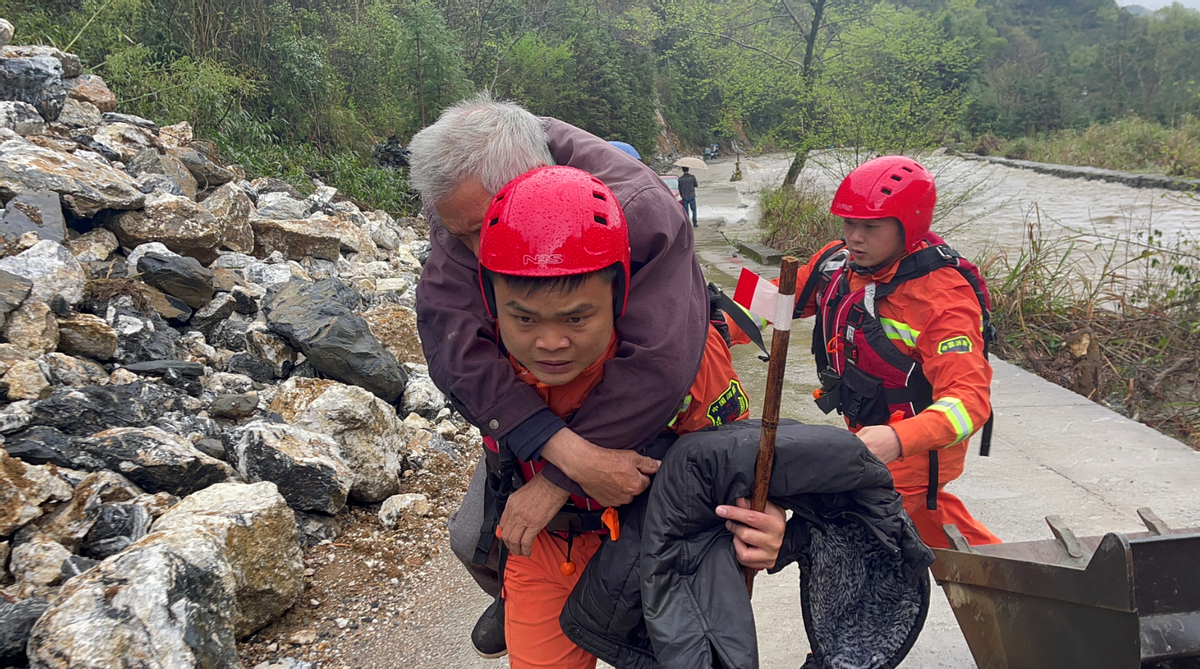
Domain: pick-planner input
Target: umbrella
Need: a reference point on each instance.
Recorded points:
(692, 163)
(627, 148)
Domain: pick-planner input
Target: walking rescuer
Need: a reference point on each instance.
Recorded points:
(458, 164)
(899, 339)
(554, 269)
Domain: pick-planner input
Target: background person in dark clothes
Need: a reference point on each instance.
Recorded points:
(687, 191)
(458, 164)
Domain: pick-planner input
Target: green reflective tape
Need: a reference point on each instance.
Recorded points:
(957, 414)
(687, 402)
(900, 332)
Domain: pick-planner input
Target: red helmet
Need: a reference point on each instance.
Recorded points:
(889, 186)
(554, 221)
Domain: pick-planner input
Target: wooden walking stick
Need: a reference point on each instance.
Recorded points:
(782, 325)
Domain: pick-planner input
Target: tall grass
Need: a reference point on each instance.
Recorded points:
(1130, 144)
(797, 220)
(1138, 295)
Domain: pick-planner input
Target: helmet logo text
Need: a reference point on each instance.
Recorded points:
(543, 259)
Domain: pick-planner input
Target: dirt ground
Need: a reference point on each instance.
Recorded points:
(372, 596)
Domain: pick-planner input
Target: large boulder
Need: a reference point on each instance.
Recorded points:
(179, 223)
(37, 81)
(258, 532)
(77, 114)
(142, 334)
(41, 445)
(71, 67)
(23, 490)
(82, 412)
(117, 526)
(88, 336)
(33, 329)
(36, 211)
(91, 89)
(317, 319)
(295, 239)
(306, 466)
(95, 245)
(280, 206)
(167, 601)
(70, 523)
(21, 117)
(36, 563)
(230, 205)
(6, 32)
(16, 621)
(372, 438)
(123, 140)
(180, 276)
(149, 161)
(64, 370)
(86, 187)
(156, 460)
(52, 269)
(208, 174)
(25, 380)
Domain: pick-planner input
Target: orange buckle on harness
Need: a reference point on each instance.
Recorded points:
(834, 345)
(612, 522)
(818, 393)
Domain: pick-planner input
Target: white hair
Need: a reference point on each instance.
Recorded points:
(492, 141)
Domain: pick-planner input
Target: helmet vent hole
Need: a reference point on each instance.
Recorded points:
(500, 196)
(493, 221)
(599, 196)
(600, 219)
(896, 177)
(907, 169)
(886, 191)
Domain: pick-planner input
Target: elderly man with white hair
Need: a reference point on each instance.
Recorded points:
(457, 165)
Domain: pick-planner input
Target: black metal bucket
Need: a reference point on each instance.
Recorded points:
(1121, 601)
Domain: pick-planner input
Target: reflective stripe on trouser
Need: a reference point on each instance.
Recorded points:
(957, 414)
(535, 590)
(950, 511)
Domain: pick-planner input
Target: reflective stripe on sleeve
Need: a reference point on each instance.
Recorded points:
(899, 331)
(957, 414)
(687, 403)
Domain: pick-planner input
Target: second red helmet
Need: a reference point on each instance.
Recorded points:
(889, 186)
(555, 221)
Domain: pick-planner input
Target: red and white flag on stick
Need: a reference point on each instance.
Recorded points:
(761, 298)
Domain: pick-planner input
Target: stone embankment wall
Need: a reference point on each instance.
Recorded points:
(1131, 179)
(198, 372)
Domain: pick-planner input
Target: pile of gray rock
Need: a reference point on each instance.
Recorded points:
(197, 373)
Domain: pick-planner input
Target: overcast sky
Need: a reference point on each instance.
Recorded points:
(1156, 4)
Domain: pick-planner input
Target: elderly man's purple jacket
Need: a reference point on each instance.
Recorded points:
(663, 330)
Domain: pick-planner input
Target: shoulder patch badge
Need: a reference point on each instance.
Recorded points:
(731, 404)
(955, 345)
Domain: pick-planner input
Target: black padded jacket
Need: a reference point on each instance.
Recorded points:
(670, 593)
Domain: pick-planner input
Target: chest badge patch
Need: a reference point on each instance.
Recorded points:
(731, 404)
(955, 345)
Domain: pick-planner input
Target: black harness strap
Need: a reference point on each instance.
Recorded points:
(932, 492)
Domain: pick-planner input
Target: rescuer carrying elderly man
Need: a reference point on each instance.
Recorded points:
(899, 339)
(599, 451)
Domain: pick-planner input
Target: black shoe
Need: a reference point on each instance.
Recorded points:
(695, 225)
(488, 636)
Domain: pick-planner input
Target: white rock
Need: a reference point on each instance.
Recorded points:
(36, 563)
(53, 271)
(422, 397)
(372, 438)
(397, 507)
(258, 531)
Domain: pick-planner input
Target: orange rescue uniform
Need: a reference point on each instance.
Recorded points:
(921, 315)
(535, 588)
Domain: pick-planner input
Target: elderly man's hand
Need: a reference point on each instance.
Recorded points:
(528, 512)
(609, 476)
(757, 536)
